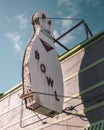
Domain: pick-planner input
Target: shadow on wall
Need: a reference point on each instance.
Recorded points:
(91, 79)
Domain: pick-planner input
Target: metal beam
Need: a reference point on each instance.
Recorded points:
(70, 30)
(55, 40)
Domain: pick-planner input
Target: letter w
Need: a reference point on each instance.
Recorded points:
(50, 81)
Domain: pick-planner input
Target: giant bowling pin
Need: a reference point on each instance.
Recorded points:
(42, 76)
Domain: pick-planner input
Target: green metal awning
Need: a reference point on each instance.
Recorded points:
(96, 126)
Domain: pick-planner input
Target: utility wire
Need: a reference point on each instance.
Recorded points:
(88, 100)
(41, 93)
(57, 18)
(77, 126)
(67, 112)
(71, 107)
(60, 124)
(74, 114)
(77, 97)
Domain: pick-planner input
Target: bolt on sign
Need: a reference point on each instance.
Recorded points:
(42, 76)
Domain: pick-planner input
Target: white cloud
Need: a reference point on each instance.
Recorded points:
(68, 39)
(92, 2)
(16, 40)
(65, 2)
(68, 9)
(56, 34)
(17, 47)
(69, 5)
(72, 9)
(66, 24)
(23, 21)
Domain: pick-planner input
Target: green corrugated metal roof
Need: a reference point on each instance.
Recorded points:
(96, 126)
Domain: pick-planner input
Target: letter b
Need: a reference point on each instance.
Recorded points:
(37, 56)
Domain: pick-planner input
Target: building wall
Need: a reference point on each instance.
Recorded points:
(83, 69)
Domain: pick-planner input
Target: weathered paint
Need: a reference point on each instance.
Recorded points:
(42, 71)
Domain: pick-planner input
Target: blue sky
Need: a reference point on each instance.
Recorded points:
(16, 29)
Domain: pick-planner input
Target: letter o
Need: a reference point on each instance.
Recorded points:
(43, 68)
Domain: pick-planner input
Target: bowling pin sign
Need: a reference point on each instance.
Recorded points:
(42, 75)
